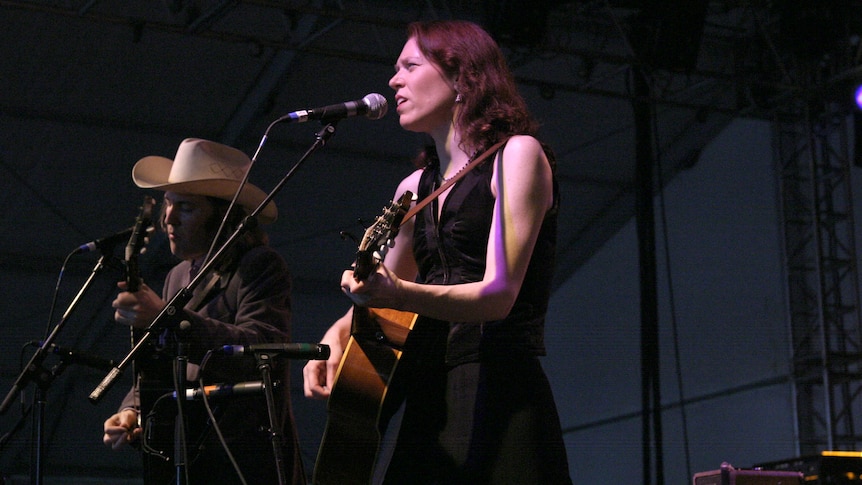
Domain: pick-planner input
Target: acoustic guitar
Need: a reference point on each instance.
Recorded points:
(351, 440)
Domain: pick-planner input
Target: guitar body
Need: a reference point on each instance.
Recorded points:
(357, 416)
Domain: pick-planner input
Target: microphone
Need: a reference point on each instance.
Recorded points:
(291, 351)
(373, 106)
(106, 243)
(223, 390)
(77, 357)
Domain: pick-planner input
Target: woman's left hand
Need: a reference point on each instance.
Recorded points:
(381, 289)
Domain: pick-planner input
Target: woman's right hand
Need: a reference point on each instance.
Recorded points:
(318, 376)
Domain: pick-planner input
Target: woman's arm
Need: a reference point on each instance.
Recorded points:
(523, 186)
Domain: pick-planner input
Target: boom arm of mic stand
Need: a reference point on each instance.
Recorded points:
(33, 370)
(321, 138)
(170, 312)
(178, 302)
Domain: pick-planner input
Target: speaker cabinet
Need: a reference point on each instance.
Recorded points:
(826, 468)
(727, 475)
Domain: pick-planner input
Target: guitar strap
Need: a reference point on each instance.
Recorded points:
(427, 200)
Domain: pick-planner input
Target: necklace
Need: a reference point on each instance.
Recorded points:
(447, 179)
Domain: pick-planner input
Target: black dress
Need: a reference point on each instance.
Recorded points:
(478, 406)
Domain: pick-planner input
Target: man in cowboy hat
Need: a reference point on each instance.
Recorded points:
(244, 301)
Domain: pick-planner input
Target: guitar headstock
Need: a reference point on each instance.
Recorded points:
(136, 243)
(380, 236)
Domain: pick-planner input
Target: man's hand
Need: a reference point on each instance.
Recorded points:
(122, 429)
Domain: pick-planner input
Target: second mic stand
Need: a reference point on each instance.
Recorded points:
(34, 371)
(180, 455)
(264, 364)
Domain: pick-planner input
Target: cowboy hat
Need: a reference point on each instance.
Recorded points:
(203, 167)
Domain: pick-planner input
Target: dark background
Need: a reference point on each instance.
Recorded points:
(89, 87)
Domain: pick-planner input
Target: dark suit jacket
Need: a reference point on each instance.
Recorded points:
(248, 304)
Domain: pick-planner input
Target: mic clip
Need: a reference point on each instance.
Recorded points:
(225, 390)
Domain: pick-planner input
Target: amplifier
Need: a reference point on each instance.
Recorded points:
(827, 468)
(727, 475)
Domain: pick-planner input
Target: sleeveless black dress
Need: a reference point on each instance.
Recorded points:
(478, 406)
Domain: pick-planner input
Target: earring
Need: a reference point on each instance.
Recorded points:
(458, 98)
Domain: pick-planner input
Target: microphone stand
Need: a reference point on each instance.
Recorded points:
(172, 313)
(180, 456)
(34, 372)
(264, 364)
